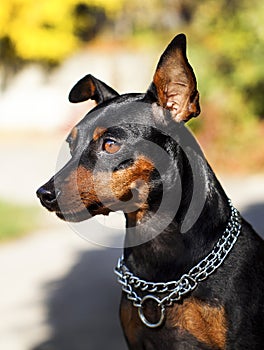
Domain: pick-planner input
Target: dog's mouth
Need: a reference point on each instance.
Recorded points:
(84, 214)
(74, 217)
(67, 212)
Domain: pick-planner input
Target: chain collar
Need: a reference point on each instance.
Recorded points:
(166, 293)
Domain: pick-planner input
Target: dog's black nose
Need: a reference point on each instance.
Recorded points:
(48, 197)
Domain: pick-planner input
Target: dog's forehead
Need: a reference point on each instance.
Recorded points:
(120, 111)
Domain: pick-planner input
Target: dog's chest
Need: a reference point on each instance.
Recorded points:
(192, 322)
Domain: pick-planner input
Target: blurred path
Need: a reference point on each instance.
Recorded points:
(247, 194)
(58, 292)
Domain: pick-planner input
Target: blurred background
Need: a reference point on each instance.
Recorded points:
(57, 290)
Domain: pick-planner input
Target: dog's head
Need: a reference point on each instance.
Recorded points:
(113, 163)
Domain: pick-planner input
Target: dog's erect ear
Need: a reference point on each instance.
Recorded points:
(174, 83)
(91, 88)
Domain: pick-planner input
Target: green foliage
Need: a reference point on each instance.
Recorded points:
(45, 30)
(227, 49)
(16, 220)
(230, 38)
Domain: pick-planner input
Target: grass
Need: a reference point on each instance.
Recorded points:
(16, 220)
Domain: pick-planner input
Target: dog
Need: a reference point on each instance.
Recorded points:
(192, 269)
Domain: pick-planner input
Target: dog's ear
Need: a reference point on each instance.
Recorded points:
(91, 88)
(174, 83)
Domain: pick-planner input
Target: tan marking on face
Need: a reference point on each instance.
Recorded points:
(77, 191)
(98, 132)
(133, 182)
(125, 189)
(142, 191)
(132, 177)
(206, 323)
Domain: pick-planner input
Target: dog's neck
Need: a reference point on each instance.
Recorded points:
(171, 252)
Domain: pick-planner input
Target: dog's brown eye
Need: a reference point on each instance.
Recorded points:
(111, 146)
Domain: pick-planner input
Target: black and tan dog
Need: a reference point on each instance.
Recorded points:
(192, 271)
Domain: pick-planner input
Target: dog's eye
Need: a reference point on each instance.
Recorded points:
(111, 146)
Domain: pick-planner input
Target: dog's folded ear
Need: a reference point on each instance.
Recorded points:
(91, 88)
(174, 84)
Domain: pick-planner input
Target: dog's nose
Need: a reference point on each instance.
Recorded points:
(48, 197)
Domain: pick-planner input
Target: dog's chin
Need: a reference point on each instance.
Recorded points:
(83, 215)
(74, 217)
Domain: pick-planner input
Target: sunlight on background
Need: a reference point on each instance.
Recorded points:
(44, 30)
(47, 46)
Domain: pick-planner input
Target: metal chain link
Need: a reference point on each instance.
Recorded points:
(174, 290)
